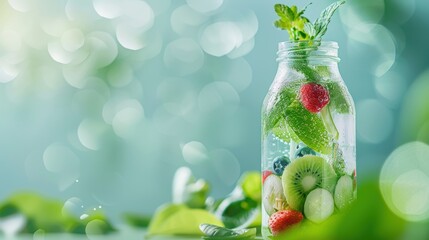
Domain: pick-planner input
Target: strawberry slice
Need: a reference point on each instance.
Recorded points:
(282, 220)
(314, 97)
(265, 174)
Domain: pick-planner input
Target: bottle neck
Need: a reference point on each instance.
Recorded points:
(313, 53)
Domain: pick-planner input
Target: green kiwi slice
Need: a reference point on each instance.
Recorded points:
(304, 175)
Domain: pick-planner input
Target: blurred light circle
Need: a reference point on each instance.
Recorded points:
(107, 8)
(194, 152)
(95, 229)
(11, 39)
(88, 102)
(363, 11)
(58, 53)
(138, 14)
(243, 50)
(184, 56)
(72, 39)
(59, 159)
(73, 206)
(407, 10)
(39, 234)
(225, 165)
(375, 121)
(186, 21)
(415, 110)
(159, 6)
(410, 193)
(404, 181)
(91, 133)
(221, 38)
(204, 5)
(129, 36)
(247, 22)
(120, 75)
(103, 49)
(20, 5)
(80, 10)
(115, 105)
(237, 72)
(8, 73)
(125, 122)
(217, 95)
(391, 86)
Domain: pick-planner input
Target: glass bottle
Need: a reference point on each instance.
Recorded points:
(308, 138)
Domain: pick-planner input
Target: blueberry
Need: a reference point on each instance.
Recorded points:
(279, 164)
(304, 151)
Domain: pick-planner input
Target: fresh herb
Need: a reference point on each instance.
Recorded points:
(299, 27)
(214, 232)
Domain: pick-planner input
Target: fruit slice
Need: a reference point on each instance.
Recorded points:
(282, 220)
(272, 190)
(314, 97)
(305, 174)
(279, 164)
(265, 174)
(309, 127)
(319, 205)
(343, 195)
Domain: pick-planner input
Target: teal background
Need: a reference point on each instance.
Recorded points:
(108, 121)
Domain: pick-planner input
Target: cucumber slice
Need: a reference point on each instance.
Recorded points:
(319, 205)
(343, 195)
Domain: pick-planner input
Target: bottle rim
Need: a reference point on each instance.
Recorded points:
(314, 50)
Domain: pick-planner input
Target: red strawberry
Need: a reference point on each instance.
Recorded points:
(314, 97)
(282, 220)
(265, 174)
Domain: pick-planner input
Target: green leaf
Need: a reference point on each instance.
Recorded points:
(303, 10)
(321, 24)
(189, 191)
(338, 98)
(178, 219)
(137, 220)
(238, 212)
(250, 183)
(215, 232)
(309, 127)
(309, 29)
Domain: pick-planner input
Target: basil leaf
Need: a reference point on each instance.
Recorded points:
(321, 24)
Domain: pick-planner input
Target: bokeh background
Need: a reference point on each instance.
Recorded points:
(101, 101)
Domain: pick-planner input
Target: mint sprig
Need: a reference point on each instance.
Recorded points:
(299, 27)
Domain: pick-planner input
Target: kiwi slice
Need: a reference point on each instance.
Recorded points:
(304, 175)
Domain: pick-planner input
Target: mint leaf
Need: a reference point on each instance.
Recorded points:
(339, 101)
(215, 232)
(188, 190)
(321, 24)
(292, 21)
(309, 127)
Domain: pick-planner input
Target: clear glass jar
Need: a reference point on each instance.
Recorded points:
(308, 138)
